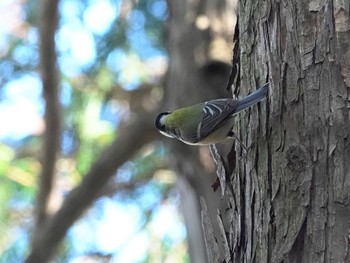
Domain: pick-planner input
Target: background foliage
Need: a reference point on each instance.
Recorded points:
(112, 61)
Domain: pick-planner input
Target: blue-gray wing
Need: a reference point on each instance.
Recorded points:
(214, 113)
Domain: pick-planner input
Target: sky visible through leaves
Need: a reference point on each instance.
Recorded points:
(92, 55)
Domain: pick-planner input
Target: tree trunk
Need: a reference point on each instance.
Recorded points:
(199, 36)
(291, 192)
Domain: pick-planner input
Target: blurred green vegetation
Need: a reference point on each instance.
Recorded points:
(102, 87)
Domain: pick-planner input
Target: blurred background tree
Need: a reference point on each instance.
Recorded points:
(107, 67)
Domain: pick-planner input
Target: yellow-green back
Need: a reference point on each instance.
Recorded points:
(185, 117)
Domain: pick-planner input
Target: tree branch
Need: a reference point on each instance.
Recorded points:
(131, 138)
(49, 232)
(50, 78)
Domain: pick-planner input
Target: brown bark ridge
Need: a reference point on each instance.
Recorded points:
(291, 194)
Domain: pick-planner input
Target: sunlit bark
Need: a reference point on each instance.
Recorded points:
(291, 193)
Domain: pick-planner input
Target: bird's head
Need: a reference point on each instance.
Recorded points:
(160, 124)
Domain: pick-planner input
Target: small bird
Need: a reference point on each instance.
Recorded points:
(208, 122)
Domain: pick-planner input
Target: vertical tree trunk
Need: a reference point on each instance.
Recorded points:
(199, 36)
(292, 191)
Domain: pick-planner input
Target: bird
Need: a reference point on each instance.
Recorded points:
(208, 122)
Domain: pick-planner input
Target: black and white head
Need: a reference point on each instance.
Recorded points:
(160, 124)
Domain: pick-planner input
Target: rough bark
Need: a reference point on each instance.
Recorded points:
(291, 193)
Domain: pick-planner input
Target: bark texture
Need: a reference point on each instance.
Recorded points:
(291, 194)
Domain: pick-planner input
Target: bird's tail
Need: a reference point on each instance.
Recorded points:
(252, 98)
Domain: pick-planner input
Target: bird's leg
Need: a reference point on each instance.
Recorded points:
(233, 135)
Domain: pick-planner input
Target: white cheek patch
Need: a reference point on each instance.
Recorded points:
(162, 119)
